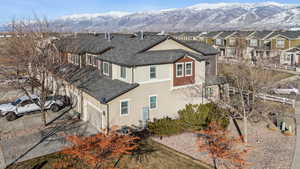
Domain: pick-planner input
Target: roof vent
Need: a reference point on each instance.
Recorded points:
(105, 35)
(108, 36)
(142, 35)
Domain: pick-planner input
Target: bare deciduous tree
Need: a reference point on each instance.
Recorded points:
(33, 54)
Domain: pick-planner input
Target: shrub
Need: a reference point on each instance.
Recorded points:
(165, 127)
(191, 118)
(199, 116)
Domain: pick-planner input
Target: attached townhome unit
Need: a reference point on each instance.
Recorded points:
(124, 79)
(291, 57)
(283, 43)
(226, 43)
(209, 37)
(259, 45)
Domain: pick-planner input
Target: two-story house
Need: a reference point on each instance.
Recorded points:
(123, 80)
(283, 43)
(225, 44)
(259, 45)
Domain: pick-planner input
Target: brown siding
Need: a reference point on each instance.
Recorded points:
(185, 80)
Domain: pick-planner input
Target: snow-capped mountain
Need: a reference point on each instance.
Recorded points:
(205, 16)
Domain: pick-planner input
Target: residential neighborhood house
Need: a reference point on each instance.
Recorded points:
(128, 79)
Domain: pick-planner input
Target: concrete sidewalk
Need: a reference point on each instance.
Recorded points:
(296, 162)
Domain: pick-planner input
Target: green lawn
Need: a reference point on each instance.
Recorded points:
(152, 156)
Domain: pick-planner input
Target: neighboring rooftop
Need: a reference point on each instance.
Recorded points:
(261, 34)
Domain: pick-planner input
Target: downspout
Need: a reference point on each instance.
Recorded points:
(107, 115)
(132, 74)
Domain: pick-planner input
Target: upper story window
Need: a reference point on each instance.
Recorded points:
(218, 41)
(288, 57)
(153, 102)
(124, 107)
(280, 44)
(253, 42)
(91, 60)
(75, 59)
(152, 72)
(105, 66)
(179, 69)
(123, 72)
(188, 68)
(232, 42)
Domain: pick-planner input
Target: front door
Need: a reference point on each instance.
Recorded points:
(145, 116)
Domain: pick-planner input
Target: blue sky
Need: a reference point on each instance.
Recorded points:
(55, 8)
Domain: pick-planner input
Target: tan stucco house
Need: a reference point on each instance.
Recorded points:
(128, 79)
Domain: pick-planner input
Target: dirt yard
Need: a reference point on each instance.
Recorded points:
(270, 149)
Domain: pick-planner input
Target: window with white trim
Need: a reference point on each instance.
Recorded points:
(123, 72)
(76, 59)
(152, 72)
(280, 44)
(105, 68)
(91, 60)
(124, 105)
(209, 92)
(218, 41)
(253, 42)
(188, 68)
(179, 69)
(88, 59)
(153, 102)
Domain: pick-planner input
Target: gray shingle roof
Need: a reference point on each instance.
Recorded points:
(291, 34)
(210, 34)
(225, 34)
(294, 49)
(129, 50)
(261, 34)
(243, 33)
(201, 47)
(89, 80)
(162, 57)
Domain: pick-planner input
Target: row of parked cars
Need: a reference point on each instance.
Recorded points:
(32, 103)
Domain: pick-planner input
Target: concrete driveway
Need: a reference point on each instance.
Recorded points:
(27, 138)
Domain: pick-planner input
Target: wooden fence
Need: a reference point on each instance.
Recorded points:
(268, 97)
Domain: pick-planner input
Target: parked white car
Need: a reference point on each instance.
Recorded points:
(25, 105)
(286, 90)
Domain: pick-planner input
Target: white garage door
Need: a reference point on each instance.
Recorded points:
(93, 115)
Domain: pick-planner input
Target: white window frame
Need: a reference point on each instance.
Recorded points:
(88, 59)
(152, 72)
(218, 41)
(128, 107)
(185, 70)
(99, 64)
(280, 46)
(252, 42)
(182, 64)
(76, 59)
(123, 68)
(103, 70)
(156, 102)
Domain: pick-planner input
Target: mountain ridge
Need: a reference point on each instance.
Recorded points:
(199, 17)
